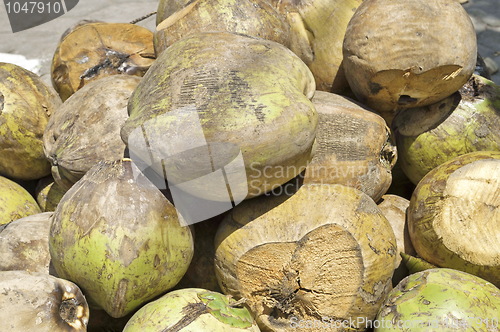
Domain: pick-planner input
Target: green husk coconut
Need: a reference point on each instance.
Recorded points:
(192, 310)
(48, 193)
(26, 103)
(317, 34)
(408, 53)
(24, 244)
(415, 264)
(467, 121)
(34, 301)
(86, 128)
(353, 146)
(116, 236)
(15, 202)
(94, 50)
(454, 219)
(440, 300)
(223, 103)
(326, 254)
(249, 17)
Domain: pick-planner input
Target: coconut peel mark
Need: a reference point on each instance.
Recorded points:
(25, 14)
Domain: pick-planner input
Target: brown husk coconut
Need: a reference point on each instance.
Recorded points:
(408, 53)
(86, 129)
(98, 49)
(353, 146)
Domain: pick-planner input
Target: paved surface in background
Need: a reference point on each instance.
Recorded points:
(40, 42)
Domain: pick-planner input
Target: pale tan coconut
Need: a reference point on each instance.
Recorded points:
(317, 33)
(250, 17)
(24, 244)
(394, 209)
(326, 252)
(35, 301)
(408, 53)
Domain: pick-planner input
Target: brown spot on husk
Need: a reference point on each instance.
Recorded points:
(190, 313)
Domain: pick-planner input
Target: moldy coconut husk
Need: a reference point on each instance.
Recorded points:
(467, 121)
(97, 49)
(24, 244)
(26, 103)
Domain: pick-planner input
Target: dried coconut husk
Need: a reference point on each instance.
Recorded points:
(94, 50)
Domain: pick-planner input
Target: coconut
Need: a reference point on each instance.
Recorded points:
(86, 128)
(192, 309)
(223, 109)
(26, 103)
(48, 193)
(249, 17)
(415, 264)
(98, 49)
(326, 254)
(317, 34)
(33, 301)
(15, 202)
(117, 237)
(440, 300)
(454, 219)
(353, 146)
(24, 244)
(394, 209)
(408, 53)
(467, 121)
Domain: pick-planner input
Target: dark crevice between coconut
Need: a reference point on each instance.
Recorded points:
(2, 101)
(474, 89)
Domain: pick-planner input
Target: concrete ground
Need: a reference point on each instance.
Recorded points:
(40, 42)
